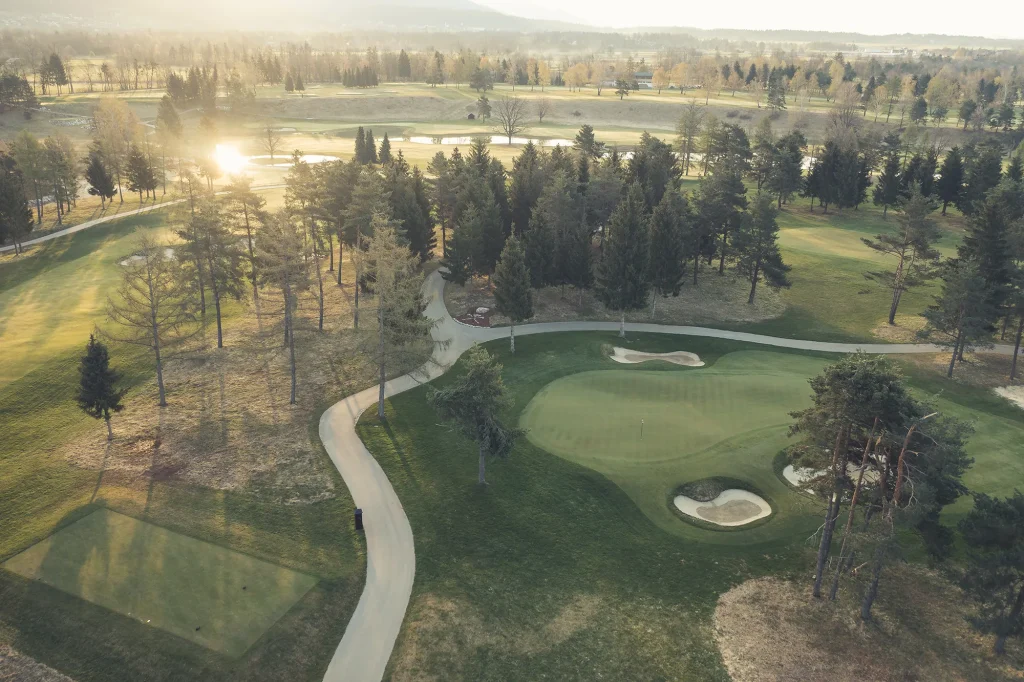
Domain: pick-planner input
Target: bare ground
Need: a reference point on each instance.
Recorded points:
(228, 424)
(771, 630)
(16, 667)
(715, 299)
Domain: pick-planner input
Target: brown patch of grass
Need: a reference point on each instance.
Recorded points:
(715, 299)
(904, 331)
(16, 667)
(771, 630)
(986, 370)
(228, 424)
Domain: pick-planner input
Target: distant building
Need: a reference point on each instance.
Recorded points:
(644, 79)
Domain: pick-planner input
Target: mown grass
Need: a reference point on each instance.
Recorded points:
(554, 547)
(49, 301)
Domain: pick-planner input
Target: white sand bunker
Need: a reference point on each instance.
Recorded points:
(679, 357)
(732, 507)
(1014, 394)
(799, 477)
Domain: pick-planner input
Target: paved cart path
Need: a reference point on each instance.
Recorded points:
(370, 636)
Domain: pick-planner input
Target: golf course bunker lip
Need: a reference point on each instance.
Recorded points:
(732, 507)
(1015, 394)
(632, 357)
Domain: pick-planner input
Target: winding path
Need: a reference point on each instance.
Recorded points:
(116, 216)
(370, 636)
(365, 649)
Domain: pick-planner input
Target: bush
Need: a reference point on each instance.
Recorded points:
(732, 113)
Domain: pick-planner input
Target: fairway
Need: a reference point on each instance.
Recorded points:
(727, 420)
(212, 596)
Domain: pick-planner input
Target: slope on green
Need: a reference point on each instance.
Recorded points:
(213, 596)
(727, 420)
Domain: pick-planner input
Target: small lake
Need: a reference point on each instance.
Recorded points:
(491, 139)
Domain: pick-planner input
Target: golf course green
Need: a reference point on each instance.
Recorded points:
(728, 420)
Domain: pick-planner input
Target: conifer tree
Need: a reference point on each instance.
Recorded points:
(668, 252)
(887, 189)
(962, 314)
(540, 252)
(98, 392)
(951, 178)
(359, 151)
(385, 151)
(473, 403)
(512, 293)
(623, 280)
(101, 182)
(370, 148)
(289, 83)
(757, 247)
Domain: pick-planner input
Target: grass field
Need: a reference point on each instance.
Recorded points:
(201, 592)
(573, 566)
(53, 474)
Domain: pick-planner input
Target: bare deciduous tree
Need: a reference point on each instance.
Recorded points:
(270, 140)
(510, 114)
(154, 306)
(542, 106)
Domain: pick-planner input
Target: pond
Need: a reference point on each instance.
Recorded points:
(491, 139)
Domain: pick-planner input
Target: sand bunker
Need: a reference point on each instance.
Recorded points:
(1014, 394)
(679, 357)
(799, 477)
(732, 507)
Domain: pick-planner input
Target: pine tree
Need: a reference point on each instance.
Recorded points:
(757, 247)
(473, 403)
(540, 252)
(887, 189)
(359, 152)
(15, 215)
(370, 148)
(951, 178)
(98, 393)
(962, 315)
(289, 83)
(458, 260)
(668, 252)
(101, 182)
(623, 280)
(1015, 171)
(994, 532)
(385, 151)
(139, 173)
(512, 293)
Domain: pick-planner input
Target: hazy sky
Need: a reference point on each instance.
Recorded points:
(995, 18)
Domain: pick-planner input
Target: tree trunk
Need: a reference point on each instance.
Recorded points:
(753, 283)
(622, 325)
(1016, 349)
(952, 360)
(330, 250)
(289, 321)
(831, 514)
(110, 431)
(482, 464)
(853, 506)
(380, 359)
(1000, 646)
(355, 313)
(876, 574)
(512, 336)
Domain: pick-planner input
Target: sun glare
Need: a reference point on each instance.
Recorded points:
(229, 160)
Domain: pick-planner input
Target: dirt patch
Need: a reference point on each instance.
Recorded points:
(15, 667)
(904, 331)
(770, 630)
(228, 424)
(715, 299)
(679, 357)
(984, 369)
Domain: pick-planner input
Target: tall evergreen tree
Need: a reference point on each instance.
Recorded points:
(98, 391)
(370, 147)
(623, 279)
(385, 151)
(513, 296)
(757, 247)
(668, 246)
(887, 189)
(15, 214)
(951, 178)
(359, 149)
(962, 314)
(101, 182)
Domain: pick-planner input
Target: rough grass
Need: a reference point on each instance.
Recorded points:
(15, 667)
(547, 537)
(771, 630)
(228, 462)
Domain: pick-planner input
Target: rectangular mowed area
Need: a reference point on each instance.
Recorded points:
(216, 597)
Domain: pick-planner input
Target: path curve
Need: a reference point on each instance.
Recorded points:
(365, 649)
(116, 216)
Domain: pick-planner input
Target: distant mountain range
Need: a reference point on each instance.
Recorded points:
(399, 16)
(271, 15)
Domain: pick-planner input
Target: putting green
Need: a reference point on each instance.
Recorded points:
(207, 594)
(727, 420)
